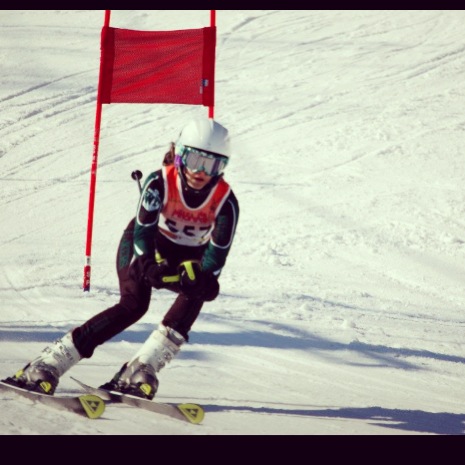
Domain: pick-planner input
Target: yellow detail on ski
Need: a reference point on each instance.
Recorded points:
(94, 406)
(193, 412)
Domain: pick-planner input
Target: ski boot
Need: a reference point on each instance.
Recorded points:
(138, 376)
(136, 379)
(38, 378)
(42, 374)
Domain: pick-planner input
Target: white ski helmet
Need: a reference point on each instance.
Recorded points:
(206, 135)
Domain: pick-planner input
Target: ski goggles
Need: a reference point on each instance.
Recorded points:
(198, 160)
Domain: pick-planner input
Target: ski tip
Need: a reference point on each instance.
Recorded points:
(193, 412)
(94, 406)
(78, 382)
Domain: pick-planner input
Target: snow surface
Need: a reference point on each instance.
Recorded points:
(342, 300)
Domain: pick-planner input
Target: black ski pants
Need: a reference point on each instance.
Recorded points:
(134, 301)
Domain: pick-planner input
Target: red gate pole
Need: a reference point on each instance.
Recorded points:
(93, 172)
(211, 110)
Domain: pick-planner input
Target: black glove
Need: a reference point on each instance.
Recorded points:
(146, 269)
(195, 283)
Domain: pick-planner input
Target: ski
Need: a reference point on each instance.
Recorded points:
(89, 405)
(191, 413)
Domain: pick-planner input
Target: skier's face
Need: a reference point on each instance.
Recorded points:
(197, 180)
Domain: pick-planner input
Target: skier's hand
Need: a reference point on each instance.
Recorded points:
(195, 283)
(154, 274)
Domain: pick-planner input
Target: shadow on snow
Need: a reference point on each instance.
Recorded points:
(403, 420)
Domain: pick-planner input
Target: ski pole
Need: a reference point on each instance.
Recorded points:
(137, 176)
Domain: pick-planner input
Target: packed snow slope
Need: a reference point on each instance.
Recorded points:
(342, 305)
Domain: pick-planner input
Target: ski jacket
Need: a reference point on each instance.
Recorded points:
(194, 223)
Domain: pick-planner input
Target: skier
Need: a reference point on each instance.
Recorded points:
(179, 240)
